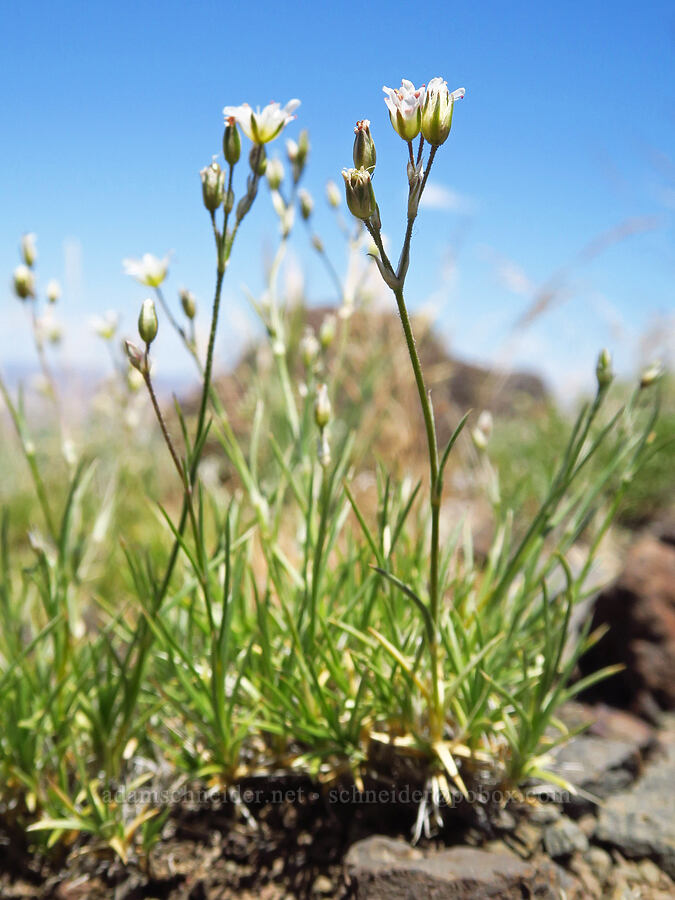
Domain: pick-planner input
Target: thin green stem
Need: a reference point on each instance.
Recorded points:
(160, 417)
(436, 712)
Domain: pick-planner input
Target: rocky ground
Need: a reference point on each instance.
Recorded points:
(614, 839)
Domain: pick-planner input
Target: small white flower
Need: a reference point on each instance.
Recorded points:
(53, 290)
(405, 108)
(48, 329)
(28, 248)
(261, 127)
(148, 270)
(105, 326)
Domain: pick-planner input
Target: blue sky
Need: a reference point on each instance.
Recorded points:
(566, 134)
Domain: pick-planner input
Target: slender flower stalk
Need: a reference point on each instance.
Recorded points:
(429, 111)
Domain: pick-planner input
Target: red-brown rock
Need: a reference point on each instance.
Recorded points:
(640, 611)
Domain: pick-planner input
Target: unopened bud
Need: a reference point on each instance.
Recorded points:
(28, 249)
(359, 193)
(275, 173)
(213, 186)
(24, 282)
(332, 194)
(147, 321)
(327, 331)
(479, 438)
(257, 159)
(323, 450)
(317, 243)
(303, 147)
(364, 147)
(306, 203)
(309, 348)
(297, 154)
(134, 355)
(322, 407)
(485, 423)
(231, 142)
(278, 204)
(53, 290)
(603, 370)
(188, 302)
(651, 375)
(415, 179)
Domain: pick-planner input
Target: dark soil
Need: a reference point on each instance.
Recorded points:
(292, 845)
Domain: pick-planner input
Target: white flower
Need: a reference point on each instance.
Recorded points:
(105, 326)
(28, 248)
(262, 126)
(405, 108)
(149, 270)
(437, 111)
(48, 329)
(53, 290)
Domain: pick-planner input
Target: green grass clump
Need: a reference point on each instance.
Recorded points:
(160, 625)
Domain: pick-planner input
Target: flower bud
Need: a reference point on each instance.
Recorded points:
(28, 249)
(231, 142)
(24, 282)
(135, 355)
(359, 193)
(257, 159)
(274, 174)
(322, 407)
(333, 194)
(415, 180)
(303, 147)
(323, 450)
(278, 204)
(651, 375)
(306, 203)
(364, 147)
(147, 321)
(297, 154)
(479, 438)
(317, 243)
(188, 302)
(309, 348)
(483, 430)
(437, 111)
(213, 186)
(327, 331)
(603, 370)
(485, 423)
(53, 290)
